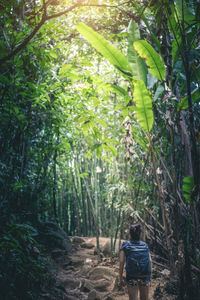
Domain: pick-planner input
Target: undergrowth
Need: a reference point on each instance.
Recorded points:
(23, 269)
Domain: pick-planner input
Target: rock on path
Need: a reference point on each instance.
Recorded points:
(82, 277)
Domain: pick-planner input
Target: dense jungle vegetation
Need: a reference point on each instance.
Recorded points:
(100, 127)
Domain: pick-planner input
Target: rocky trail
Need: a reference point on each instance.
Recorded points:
(80, 276)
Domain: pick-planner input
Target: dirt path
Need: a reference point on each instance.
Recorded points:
(82, 277)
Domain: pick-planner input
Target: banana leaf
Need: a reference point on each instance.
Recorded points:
(136, 62)
(183, 104)
(153, 59)
(112, 54)
(143, 109)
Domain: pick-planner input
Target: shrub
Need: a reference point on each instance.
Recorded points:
(22, 269)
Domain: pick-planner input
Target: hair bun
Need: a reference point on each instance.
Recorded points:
(135, 231)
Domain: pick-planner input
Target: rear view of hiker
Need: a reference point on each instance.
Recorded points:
(138, 265)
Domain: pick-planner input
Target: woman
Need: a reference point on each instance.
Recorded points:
(138, 265)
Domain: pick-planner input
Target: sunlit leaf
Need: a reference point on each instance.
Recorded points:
(110, 148)
(83, 175)
(65, 69)
(188, 185)
(53, 54)
(112, 54)
(183, 104)
(101, 122)
(95, 146)
(153, 59)
(143, 107)
(136, 62)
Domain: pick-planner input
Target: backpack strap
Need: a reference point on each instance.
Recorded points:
(137, 249)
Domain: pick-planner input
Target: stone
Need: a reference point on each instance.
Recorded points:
(107, 248)
(68, 282)
(101, 272)
(87, 286)
(53, 237)
(88, 261)
(77, 240)
(85, 270)
(102, 285)
(93, 295)
(87, 245)
(96, 253)
(77, 261)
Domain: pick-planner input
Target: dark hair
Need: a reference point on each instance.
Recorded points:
(135, 231)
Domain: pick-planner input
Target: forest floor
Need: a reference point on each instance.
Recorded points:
(80, 276)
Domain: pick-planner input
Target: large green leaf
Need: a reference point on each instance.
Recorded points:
(143, 107)
(153, 59)
(188, 185)
(184, 13)
(183, 104)
(112, 54)
(136, 62)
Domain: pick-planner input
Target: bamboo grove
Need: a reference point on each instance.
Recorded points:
(100, 125)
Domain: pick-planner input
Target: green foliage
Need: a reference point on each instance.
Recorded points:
(159, 91)
(119, 90)
(188, 185)
(183, 12)
(112, 54)
(174, 28)
(69, 138)
(143, 107)
(141, 13)
(183, 104)
(22, 269)
(153, 59)
(136, 62)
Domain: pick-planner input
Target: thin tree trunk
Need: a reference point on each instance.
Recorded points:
(96, 206)
(55, 186)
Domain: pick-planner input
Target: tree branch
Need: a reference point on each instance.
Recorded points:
(45, 18)
(64, 11)
(35, 30)
(23, 44)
